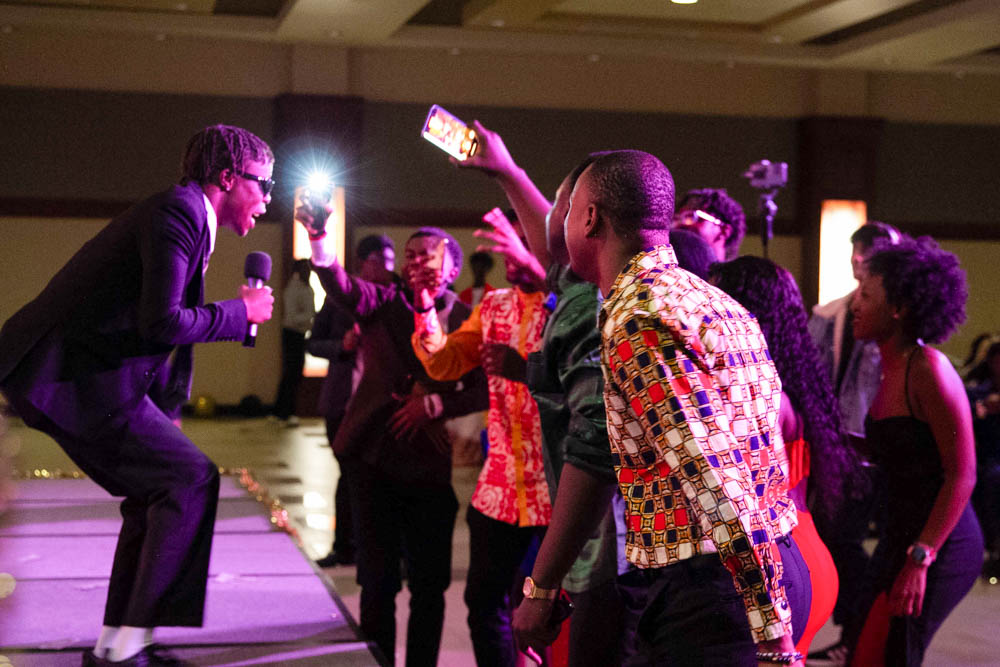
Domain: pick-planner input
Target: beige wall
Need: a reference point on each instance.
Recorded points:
(642, 81)
(33, 249)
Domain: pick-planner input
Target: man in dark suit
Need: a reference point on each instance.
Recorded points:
(392, 443)
(336, 336)
(79, 361)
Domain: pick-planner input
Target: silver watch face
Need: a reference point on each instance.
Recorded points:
(919, 554)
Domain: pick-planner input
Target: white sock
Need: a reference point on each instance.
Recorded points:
(129, 641)
(104, 640)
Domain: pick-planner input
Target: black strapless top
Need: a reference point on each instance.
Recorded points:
(907, 455)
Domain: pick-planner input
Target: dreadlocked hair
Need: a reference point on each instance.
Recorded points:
(221, 147)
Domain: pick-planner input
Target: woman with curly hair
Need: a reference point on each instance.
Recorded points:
(810, 421)
(919, 431)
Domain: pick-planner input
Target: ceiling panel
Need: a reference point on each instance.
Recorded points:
(903, 35)
(722, 11)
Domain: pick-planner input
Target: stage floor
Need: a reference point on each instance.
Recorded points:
(297, 469)
(267, 602)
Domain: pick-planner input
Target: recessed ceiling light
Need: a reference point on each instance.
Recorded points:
(160, 37)
(335, 34)
(775, 39)
(593, 57)
(455, 51)
(684, 2)
(181, 6)
(498, 23)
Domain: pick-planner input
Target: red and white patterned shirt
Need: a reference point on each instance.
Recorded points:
(512, 487)
(692, 399)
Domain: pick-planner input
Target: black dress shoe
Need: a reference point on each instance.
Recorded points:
(335, 558)
(154, 655)
(90, 659)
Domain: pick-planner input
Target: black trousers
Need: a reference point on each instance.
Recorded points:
(690, 613)
(394, 521)
(293, 358)
(171, 491)
(496, 550)
(343, 528)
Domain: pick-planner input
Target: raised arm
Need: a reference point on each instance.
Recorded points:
(447, 356)
(531, 205)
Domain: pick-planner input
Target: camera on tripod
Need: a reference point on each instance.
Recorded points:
(767, 175)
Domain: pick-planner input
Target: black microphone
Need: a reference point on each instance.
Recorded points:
(257, 270)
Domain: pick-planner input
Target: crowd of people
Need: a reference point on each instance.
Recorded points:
(679, 457)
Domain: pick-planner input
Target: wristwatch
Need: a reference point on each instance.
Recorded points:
(533, 592)
(921, 554)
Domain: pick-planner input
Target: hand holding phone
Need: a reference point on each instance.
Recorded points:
(314, 204)
(449, 133)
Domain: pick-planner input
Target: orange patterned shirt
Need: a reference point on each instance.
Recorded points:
(512, 487)
(692, 399)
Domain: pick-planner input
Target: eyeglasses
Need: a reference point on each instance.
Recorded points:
(266, 184)
(691, 218)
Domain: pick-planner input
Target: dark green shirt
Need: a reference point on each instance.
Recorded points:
(566, 382)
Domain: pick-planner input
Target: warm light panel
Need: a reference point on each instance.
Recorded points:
(839, 219)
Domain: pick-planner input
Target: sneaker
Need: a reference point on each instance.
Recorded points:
(832, 656)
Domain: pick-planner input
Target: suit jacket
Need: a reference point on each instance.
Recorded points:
(90, 346)
(327, 341)
(858, 386)
(385, 313)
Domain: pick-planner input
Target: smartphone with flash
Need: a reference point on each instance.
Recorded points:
(449, 133)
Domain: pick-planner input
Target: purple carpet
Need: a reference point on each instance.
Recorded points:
(267, 603)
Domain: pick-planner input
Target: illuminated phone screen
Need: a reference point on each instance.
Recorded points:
(449, 134)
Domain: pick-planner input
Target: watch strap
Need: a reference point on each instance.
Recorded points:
(534, 592)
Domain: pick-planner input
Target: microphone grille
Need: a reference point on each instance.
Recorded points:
(258, 265)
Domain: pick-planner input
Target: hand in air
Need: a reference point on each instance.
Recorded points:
(503, 238)
(492, 155)
(313, 219)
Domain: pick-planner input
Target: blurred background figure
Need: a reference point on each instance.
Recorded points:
(693, 252)
(853, 368)
(480, 263)
(299, 306)
(983, 384)
(716, 217)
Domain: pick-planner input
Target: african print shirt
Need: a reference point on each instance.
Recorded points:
(512, 487)
(692, 400)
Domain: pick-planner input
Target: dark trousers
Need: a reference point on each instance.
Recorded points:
(496, 550)
(596, 627)
(845, 537)
(343, 527)
(171, 490)
(949, 579)
(394, 521)
(690, 613)
(687, 613)
(293, 358)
